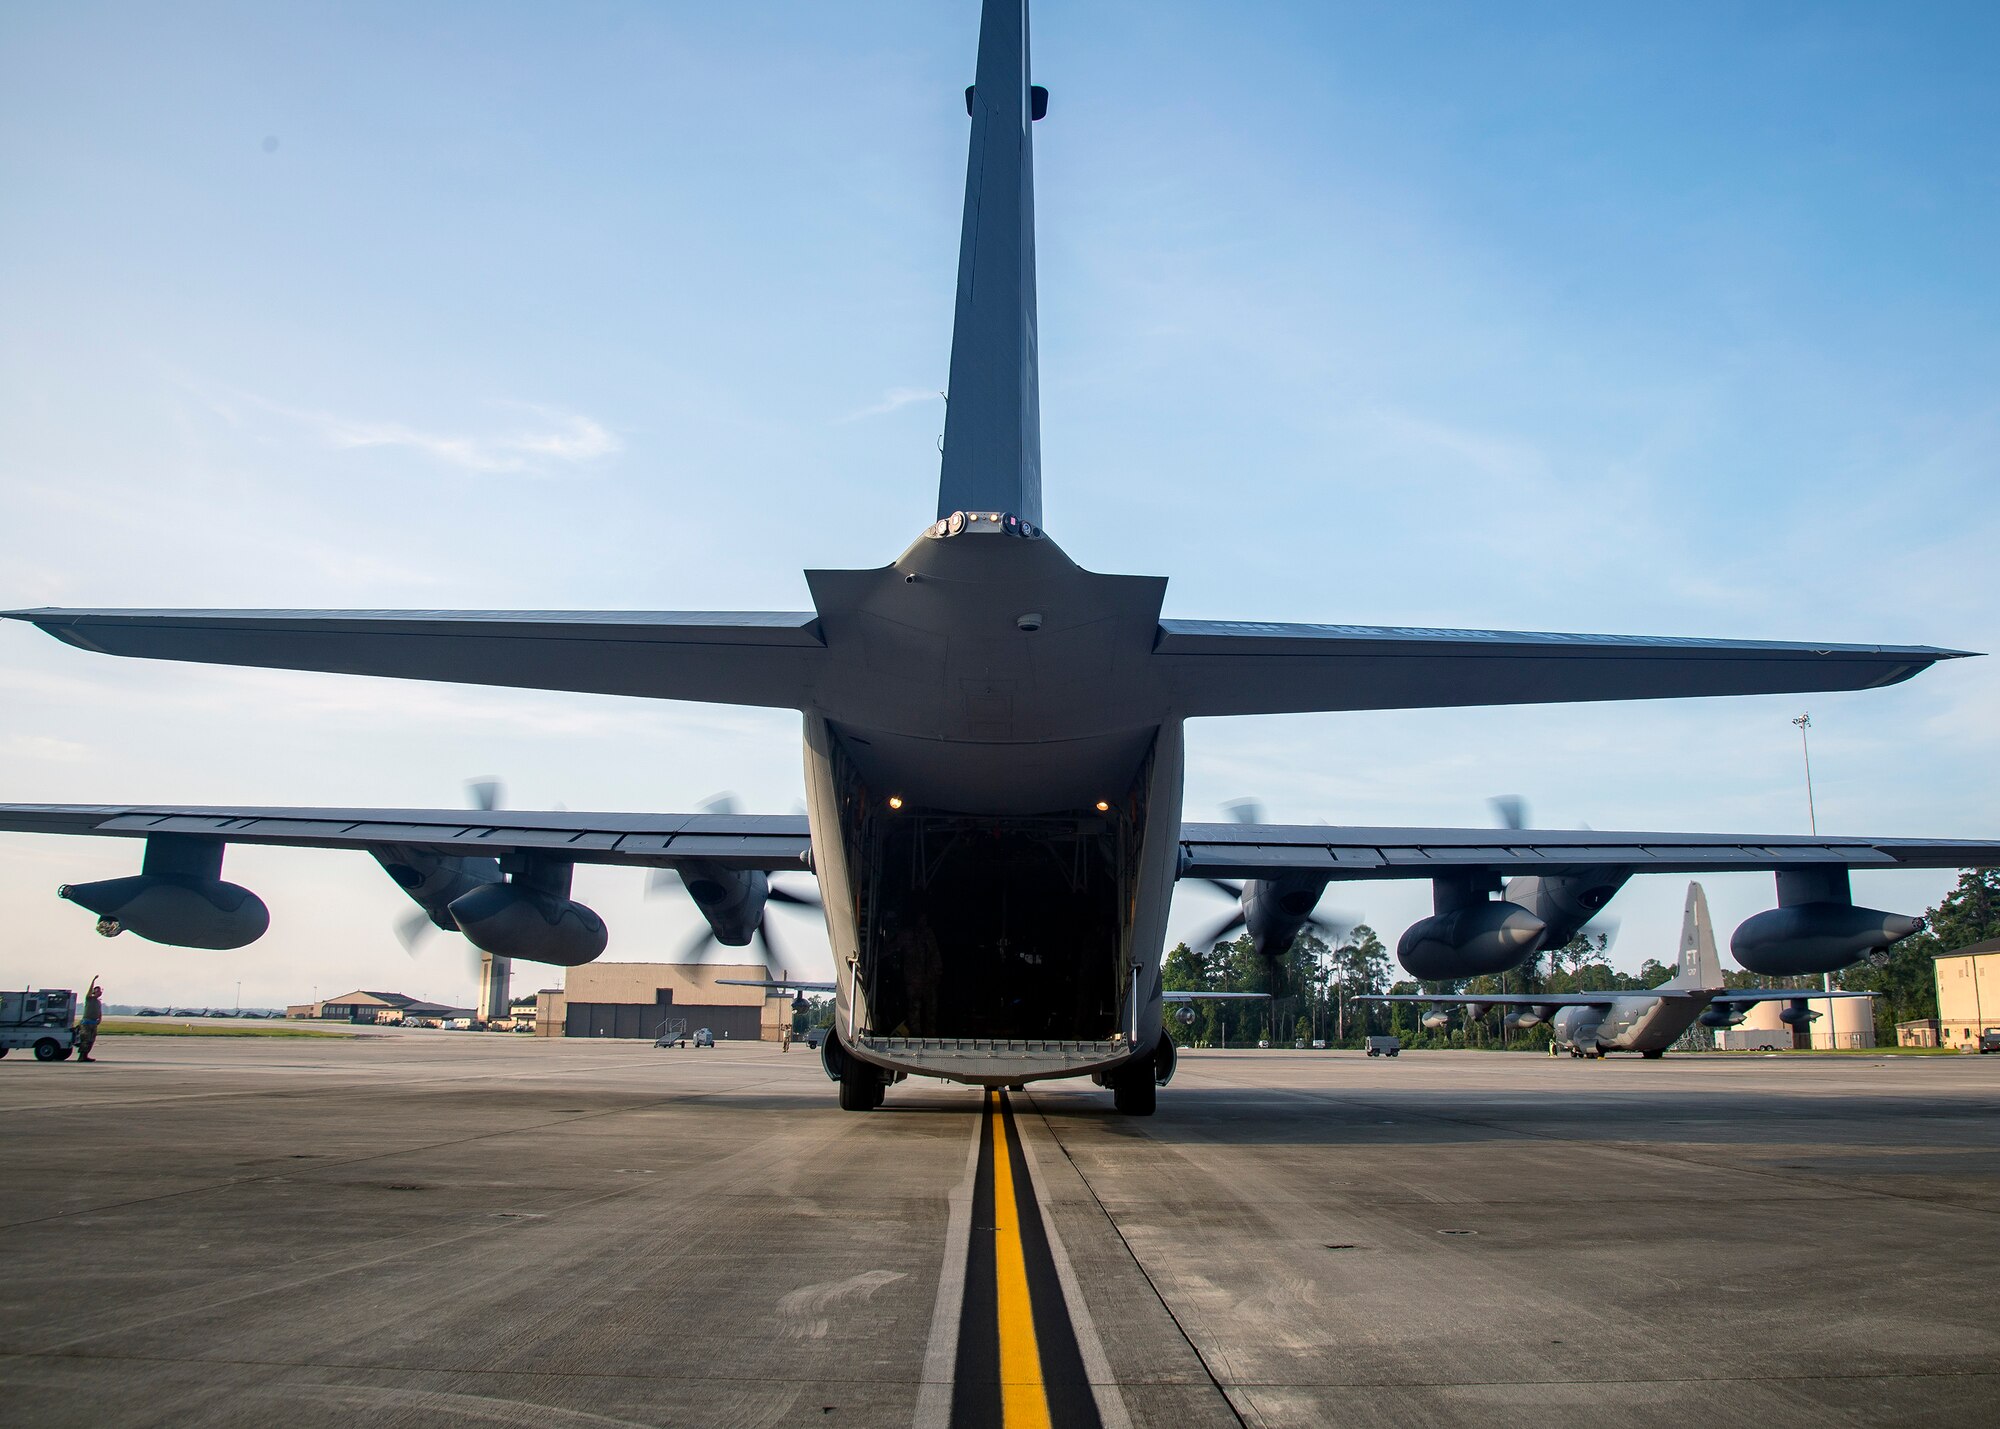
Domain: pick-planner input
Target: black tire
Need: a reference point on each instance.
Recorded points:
(881, 1093)
(1136, 1095)
(3, 1051)
(1654, 1056)
(860, 1087)
(48, 1050)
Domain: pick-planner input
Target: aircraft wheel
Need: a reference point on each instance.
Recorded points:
(48, 1050)
(881, 1092)
(860, 1086)
(1136, 1095)
(1654, 1056)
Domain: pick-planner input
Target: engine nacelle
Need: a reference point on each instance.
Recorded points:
(1471, 941)
(1437, 1021)
(1565, 902)
(1521, 1019)
(1815, 937)
(175, 909)
(1797, 1014)
(435, 880)
(1724, 1014)
(531, 916)
(731, 899)
(1276, 909)
(178, 898)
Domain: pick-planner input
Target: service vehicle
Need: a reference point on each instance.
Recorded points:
(1989, 1040)
(40, 1020)
(1384, 1046)
(703, 1037)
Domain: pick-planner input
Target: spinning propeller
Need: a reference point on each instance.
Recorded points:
(718, 892)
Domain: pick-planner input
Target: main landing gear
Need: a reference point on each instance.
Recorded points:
(1135, 1087)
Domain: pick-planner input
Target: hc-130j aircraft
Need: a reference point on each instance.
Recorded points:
(993, 752)
(1589, 1024)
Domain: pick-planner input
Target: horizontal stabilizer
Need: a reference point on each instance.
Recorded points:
(1220, 667)
(727, 657)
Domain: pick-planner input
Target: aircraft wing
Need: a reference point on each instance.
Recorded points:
(1346, 853)
(778, 984)
(1781, 994)
(775, 842)
(766, 658)
(1224, 667)
(1215, 997)
(1519, 999)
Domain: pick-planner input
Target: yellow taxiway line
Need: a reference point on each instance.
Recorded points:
(1024, 1400)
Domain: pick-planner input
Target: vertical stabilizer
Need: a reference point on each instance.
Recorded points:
(1700, 966)
(992, 424)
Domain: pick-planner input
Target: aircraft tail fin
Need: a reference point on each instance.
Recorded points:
(1700, 967)
(992, 426)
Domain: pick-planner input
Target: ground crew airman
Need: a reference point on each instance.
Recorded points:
(86, 1027)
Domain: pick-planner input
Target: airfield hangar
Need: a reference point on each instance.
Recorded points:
(643, 999)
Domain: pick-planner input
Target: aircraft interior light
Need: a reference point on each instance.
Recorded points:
(895, 801)
(1103, 807)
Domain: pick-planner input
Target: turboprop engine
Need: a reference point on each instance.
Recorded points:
(1815, 928)
(531, 915)
(731, 899)
(1437, 1021)
(1566, 901)
(1797, 1014)
(1522, 1018)
(435, 880)
(178, 898)
(1725, 1014)
(1470, 935)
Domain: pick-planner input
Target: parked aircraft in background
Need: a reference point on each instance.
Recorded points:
(1589, 1024)
(993, 742)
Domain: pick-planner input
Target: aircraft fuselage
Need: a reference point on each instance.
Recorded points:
(994, 791)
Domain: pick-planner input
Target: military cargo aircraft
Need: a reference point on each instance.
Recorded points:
(1590, 1024)
(993, 744)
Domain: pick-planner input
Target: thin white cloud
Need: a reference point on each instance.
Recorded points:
(565, 438)
(550, 436)
(893, 400)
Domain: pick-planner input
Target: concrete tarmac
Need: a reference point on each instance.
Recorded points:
(437, 1228)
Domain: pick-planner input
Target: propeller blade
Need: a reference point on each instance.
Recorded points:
(1245, 811)
(484, 793)
(765, 937)
(696, 948)
(724, 803)
(1606, 926)
(662, 880)
(1234, 890)
(1220, 933)
(413, 928)
(797, 900)
(1510, 809)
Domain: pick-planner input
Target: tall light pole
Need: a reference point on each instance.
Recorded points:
(1804, 722)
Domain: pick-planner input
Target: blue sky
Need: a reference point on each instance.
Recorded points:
(1537, 316)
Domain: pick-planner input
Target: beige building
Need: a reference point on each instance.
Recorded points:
(640, 999)
(1968, 993)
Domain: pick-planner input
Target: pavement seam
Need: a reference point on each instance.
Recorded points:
(1139, 1265)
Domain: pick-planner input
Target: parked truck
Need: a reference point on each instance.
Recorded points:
(42, 1020)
